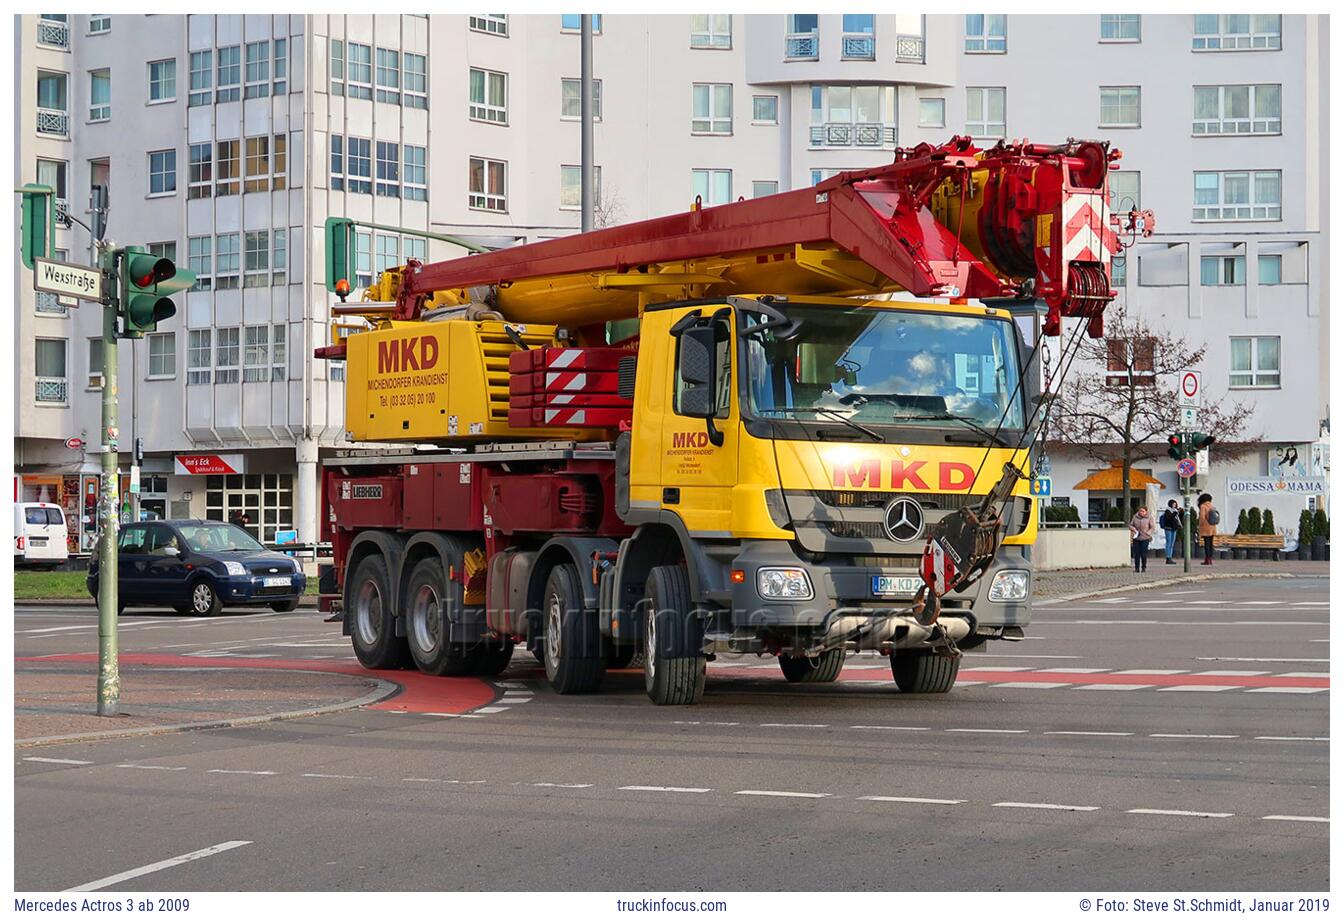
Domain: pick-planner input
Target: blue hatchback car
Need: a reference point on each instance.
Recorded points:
(200, 567)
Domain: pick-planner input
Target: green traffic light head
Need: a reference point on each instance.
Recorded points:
(147, 282)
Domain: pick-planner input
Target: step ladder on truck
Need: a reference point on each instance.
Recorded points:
(797, 426)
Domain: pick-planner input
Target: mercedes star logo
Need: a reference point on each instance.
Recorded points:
(903, 519)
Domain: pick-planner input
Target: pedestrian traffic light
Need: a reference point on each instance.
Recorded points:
(1176, 446)
(147, 284)
(340, 253)
(37, 229)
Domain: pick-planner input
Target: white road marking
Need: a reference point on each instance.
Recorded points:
(786, 795)
(511, 684)
(245, 772)
(146, 766)
(663, 789)
(489, 709)
(1096, 734)
(1318, 640)
(1045, 805)
(910, 799)
(77, 763)
(685, 722)
(1288, 690)
(1231, 673)
(1074, 670)
(1179, 813)
(1114, 687)
(1295, 818)
(892, 728)
(1152, 671)
(563, 785)
(979, 655)
(1311, 603)
(1159, 735)
(447, 782)
(1286, 738)
(1030, 685)
(333, 776)
(1197, 688)
(1306, 674)
(1015, 667)
(158, 866)
(519, 695)
(1259, 603)
(1179, 593)
(989, 731)
(1271, 660)
(794, 725)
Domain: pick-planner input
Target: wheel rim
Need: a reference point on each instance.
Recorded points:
(650, 645)
(368, 612)
(202, 598)
(426, 625)
(552, 632)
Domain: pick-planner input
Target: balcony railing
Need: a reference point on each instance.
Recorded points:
(46, 302)
(51, 389)
(54, 122)
(910, 48)
(53, 34)
(857, 47)
(846, 134)
(801, 46)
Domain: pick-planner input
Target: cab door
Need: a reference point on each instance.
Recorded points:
(165, 573)
(698, 469)
(132, 555)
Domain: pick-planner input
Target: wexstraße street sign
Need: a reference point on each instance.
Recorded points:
(68, 280)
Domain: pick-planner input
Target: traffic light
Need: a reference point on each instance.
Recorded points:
(1176, 446)
(37, 233)
(1198, 441)
(340, 253)
(147, 284)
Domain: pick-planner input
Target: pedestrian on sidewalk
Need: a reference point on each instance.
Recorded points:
(1171, 521)
(1208, 525)
(1142, 528)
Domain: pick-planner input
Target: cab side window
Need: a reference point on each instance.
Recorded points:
(723, 376)
(160, 539)
(132, 541)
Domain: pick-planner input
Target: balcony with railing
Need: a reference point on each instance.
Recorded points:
(910, 49)
(852, 134)
(53, 122)
(52, 389)
(53, 33)
(858, 46)
(801, 46)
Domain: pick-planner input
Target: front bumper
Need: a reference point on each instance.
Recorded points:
(252, 589)
(844, 589)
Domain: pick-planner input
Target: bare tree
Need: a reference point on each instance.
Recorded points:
(1120, 400)
(608, 209)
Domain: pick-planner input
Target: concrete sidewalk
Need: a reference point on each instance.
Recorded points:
(54, 701)
(1071, 583)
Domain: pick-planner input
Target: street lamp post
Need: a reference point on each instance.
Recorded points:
(586, 119)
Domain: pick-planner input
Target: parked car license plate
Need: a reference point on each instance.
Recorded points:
(895, 585)
(281, 582)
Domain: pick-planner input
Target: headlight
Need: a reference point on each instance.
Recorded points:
(792, 584)
(1011, 585)
(235, 568)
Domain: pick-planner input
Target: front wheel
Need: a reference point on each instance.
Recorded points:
(799, 669)
(674, 663)
(924, 672)
(205, 600)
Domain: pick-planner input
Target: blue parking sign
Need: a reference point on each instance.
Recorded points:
(1040, 487)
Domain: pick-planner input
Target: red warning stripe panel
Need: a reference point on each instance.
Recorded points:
(571, 400)
(568, 417)
(575, 359)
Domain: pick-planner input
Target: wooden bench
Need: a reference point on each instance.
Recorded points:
(1225, 543)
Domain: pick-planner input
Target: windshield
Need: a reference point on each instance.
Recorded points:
(218, 538)
(880, 367)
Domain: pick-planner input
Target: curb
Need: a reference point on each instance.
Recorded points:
(381, 691)
(1162, 583)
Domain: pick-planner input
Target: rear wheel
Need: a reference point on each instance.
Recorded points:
(674, 665)
(799, 669)
(205, 600)
(372, 624)
(921, 671)
(430, 600)
(572, 649)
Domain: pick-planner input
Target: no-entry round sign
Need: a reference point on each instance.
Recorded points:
(1190, 388)
(74, 443)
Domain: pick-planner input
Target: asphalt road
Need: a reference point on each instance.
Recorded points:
(1170, 739)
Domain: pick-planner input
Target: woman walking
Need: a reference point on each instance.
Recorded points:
(1208, 526)
(1142, 528)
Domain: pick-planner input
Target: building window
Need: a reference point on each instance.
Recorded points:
(226, 261)
(388, 255)
(1120, 27)
(53, 30)
(280, 66)
(165, 250)
(52, 115)
(1270, 268)
(226, 355)
(199, 174)
(257, 177)
(256, 354)
(336, 67)
(415, 248)
(52, 173)
(389, 183)
(279, 256)
(856, 41)
(488, 96)
(256, 258)
(1216, 271)
(258, 82)
(363, 259)
(571, 187)
(765, 110)
(711, 30)
(572, 22)
(571, 99)
(389, 76)
(986, 33)
(100, 95)
(279, 163)
(489, 23)
(162, 172)
(229, 74)
(337, 163)
(712, 108)
(932, 113)
(266, 498)
(95, 378)
(359, 165)
(279, 367)
(1255, 362)
(49, 360)
(712, 186)
(199, 261)
(853, 116)
(359, 71)
(1256, 109)
(202, 77)
(100, 24)
(760, 188)
(486, 184)
(1124, 188)
(413, 178)
(199, 357)
(162, 355)
(227, 167)
(800, 39)
(985, 112)
(163, 81)
(1237, 32)
(1238, 195)
(1130, 361)
(1119, 107)
(415, 80)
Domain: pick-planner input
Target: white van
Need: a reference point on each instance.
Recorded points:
(39, 534)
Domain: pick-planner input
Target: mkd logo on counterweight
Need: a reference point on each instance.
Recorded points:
(414, 353)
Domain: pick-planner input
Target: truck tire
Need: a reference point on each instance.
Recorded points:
(924, 672)
(574, 656)
(799, 669)
(429, 602)
(372, 624)
(493, 657)
(674, 664)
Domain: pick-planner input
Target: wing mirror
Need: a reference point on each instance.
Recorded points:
(697, 368)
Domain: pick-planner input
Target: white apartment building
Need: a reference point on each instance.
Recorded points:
(226, 141)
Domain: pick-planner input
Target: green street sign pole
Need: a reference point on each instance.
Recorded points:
(109, 670)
